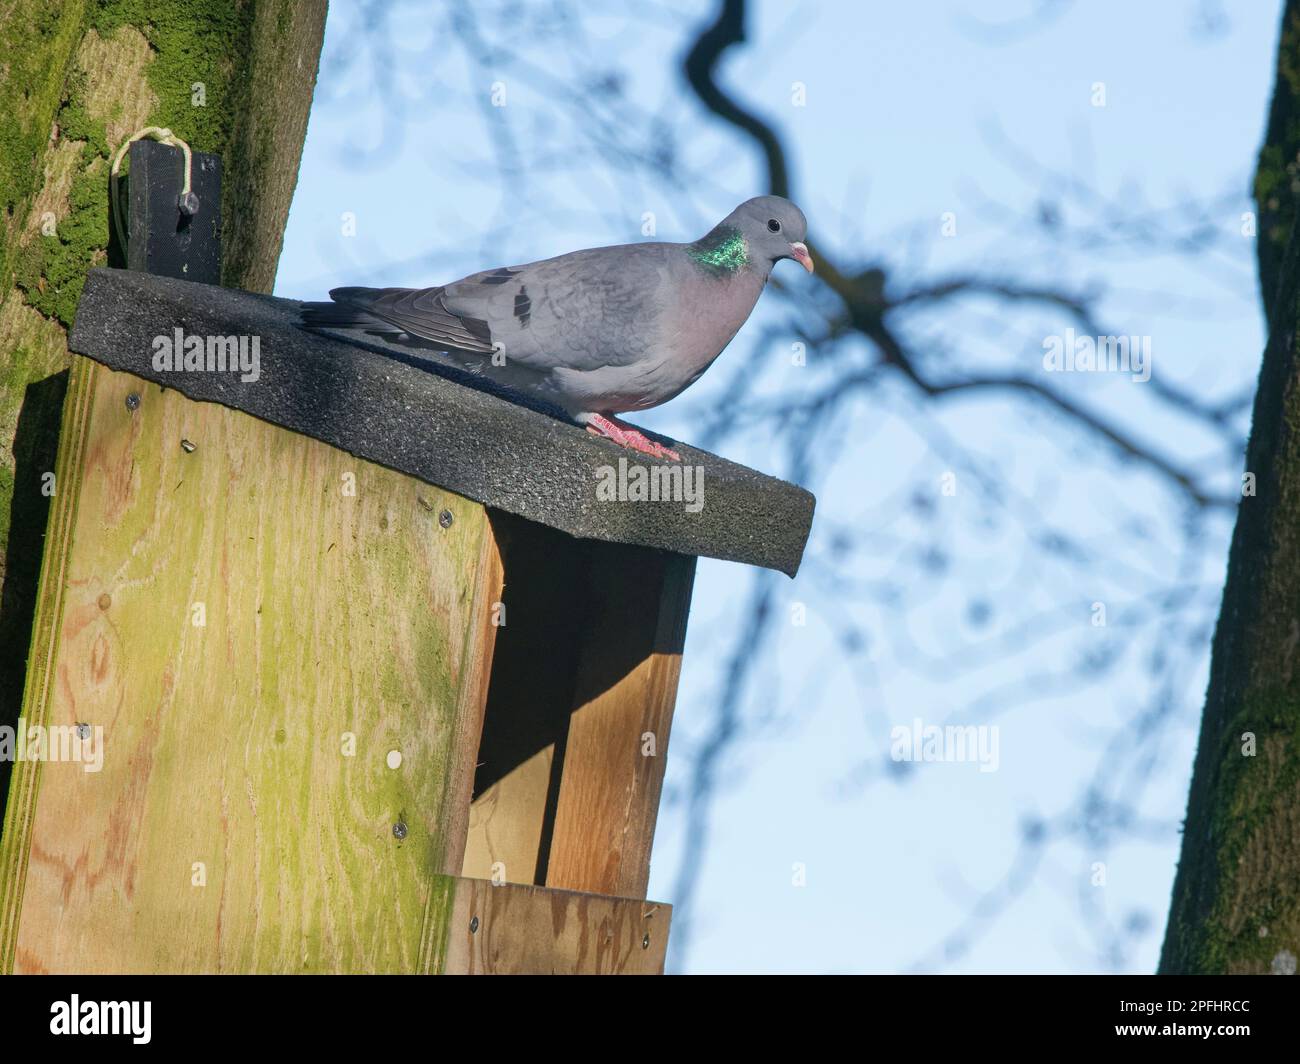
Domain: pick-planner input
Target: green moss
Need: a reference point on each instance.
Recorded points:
(51, 270)
(1250, 797)
(1274, 195)
(203, 41)
(6, 492)
(37, 39)
(74, 119)
(194, 41)
(284, 22)
(1277, 177)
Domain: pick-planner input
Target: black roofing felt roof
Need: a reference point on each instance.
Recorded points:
(416, 418)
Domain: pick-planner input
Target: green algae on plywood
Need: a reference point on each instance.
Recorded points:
(257, 745)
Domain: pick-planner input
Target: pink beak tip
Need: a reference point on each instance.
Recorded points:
(801, 255)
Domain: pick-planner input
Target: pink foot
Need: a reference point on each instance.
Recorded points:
(626, 436)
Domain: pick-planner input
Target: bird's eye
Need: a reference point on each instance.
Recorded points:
(774, 225)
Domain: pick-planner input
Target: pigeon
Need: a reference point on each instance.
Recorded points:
(596, 333)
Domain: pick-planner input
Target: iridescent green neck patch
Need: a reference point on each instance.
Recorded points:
(722, 251)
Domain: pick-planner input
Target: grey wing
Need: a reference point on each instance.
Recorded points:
(582, 311)
(418, 312)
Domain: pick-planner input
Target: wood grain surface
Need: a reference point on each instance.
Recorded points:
(517, 929)
(254, 765)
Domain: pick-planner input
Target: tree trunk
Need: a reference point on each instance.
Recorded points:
(1236, 899)
(234, 77)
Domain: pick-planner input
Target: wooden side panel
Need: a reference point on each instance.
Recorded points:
(526, 930)
(618, 734)
(283, 670)
(574, 745)
(531, 697)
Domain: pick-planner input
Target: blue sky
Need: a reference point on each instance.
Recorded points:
(909, 112)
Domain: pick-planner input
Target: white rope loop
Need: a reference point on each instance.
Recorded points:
(163, 136)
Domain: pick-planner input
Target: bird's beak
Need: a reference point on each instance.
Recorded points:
(800, 252)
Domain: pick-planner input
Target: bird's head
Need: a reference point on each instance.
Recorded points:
(774, 229)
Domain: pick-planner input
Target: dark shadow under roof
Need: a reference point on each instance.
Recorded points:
(371, 401)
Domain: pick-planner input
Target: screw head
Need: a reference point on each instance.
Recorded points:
(83, 730)
(473, 926)
(133, 401)
(445, 519)
(645, 942)
(188, 204)
(399, 830)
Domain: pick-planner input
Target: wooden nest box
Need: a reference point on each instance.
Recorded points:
(379, 683)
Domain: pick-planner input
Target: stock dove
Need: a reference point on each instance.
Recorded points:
(598, 332)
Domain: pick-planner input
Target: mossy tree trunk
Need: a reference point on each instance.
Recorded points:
(1236, 899)
(77, 77)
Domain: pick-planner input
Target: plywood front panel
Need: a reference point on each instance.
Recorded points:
(579, 714)
(617, 742)
(527, 930)
(287, 652)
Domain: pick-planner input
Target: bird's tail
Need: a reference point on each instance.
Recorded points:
(345, 309)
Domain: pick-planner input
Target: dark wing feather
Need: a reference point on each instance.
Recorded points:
(418, 312)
